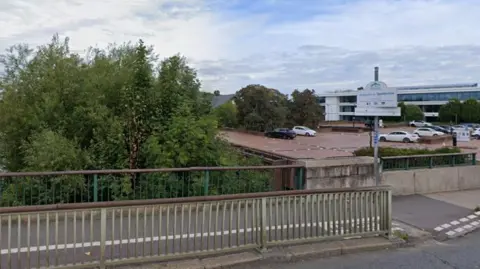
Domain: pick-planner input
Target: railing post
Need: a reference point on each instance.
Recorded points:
(453, 159)
(474, 158)
(299, 179)
(389, 213)
(430, 159)
(206, 182)
(407, 163)
(103, 236)
(263, 223)
(95, 188)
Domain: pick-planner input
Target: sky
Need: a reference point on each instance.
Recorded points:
(284, 44)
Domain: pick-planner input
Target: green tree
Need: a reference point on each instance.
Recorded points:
(227, 115)
(451, 111)
(413, 112)
(470, 111)
(260, 108)
(118, 107)
(305, 109)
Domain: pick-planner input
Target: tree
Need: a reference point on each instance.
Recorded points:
(227, 115)
(260, 108)
(470, 111)
(413, 112)
(115, 108)
(305, 109)
(451, 111)
(216, 93)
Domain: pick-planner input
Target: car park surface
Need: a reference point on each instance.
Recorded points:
(328, 144)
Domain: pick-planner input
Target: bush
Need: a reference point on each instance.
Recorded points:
(389, 151)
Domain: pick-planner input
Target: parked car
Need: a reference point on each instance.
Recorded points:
(399, 136)
(419, 123)
(461, 127)
(427, 132)
(440, 129)
(302, 130)
(476, 133)
(371, 123)
(283, 133)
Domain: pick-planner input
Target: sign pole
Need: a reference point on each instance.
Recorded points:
(375, 142)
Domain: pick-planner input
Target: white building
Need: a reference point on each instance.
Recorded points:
(340, 105)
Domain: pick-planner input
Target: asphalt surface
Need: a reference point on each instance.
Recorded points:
(462, 253)
(178, 232)
(426, 213)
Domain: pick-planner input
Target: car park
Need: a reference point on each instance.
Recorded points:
(302, 130)
(476, 133)
(399, 136)
(427, 132)
(419, 123)
(283, 133)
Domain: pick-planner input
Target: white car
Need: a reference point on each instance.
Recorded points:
(427, 132)
(419, 123)
(399, 136)
(476, 133)
(302, 130)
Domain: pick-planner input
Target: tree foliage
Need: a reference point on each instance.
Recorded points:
(260, 108)
(115, 108)
(227, 115)
(413, 112)
(455, 111)
(305, 109)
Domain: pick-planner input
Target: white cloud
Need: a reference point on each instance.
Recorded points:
(285, 44)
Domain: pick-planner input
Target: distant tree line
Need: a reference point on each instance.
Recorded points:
(259, 108)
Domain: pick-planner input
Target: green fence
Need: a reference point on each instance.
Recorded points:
(40, 188)
(427, 161)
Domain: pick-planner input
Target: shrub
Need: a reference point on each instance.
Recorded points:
(389, 151)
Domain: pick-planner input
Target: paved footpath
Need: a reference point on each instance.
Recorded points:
(459, 254)
(445, 215)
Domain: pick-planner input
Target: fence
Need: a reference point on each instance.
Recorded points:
(427, 161)
(115, 233)
(37, 188)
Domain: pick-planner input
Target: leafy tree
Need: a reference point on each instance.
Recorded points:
(413, 112)
(118, 107)
(305, 109)
(227, 115)
(260, 108)
(216, 93)
(451, 111)
(470, 111)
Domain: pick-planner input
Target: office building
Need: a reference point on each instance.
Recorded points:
(340, 104)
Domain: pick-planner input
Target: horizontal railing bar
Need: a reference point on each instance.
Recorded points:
(426, 156)
(152, 170)
(164, 201)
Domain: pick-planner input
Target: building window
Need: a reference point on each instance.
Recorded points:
(444, 96)
(348, 99)
(321, 100)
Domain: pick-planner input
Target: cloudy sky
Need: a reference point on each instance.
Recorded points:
(285, 44)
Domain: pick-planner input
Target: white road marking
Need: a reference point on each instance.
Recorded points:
(359, 223)
(454, 222)
(446, 226)
(463, 219)
(438, 229)
(450, 233)
(471, 216)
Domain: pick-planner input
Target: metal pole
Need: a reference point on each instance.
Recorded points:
(375, 142)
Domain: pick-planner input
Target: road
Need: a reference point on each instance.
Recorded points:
(172, 232)
(462, 253)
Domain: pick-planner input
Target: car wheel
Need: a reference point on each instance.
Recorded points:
(412, 125)
(308, 134)
(383, 139)
(285, 137)
(435, 135)
(406, 140)
(417, 134)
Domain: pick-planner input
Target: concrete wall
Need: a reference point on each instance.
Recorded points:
(351, 172)
(423, 181)
(338, 173)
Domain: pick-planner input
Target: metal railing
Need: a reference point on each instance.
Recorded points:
(427, 161)
(115, 233)
(39, 188)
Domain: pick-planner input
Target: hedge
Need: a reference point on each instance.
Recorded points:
(389, 151)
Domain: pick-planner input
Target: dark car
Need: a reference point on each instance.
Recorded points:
(283, 133)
